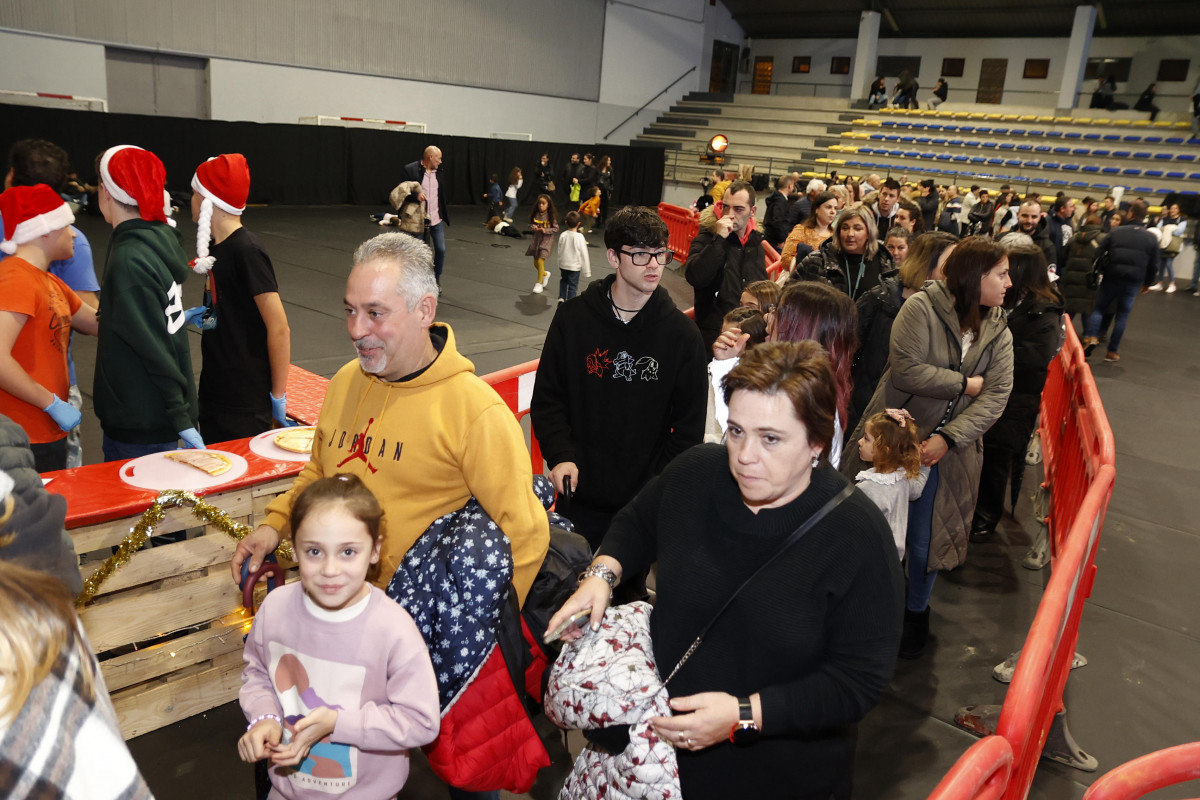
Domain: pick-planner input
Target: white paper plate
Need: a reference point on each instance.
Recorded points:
(156, 472)
(264, 445)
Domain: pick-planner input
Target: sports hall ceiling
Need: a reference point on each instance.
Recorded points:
(820, 19)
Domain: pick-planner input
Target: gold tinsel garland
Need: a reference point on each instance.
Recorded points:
(144, 529)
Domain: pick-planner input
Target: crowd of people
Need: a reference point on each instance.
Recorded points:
(796, 465)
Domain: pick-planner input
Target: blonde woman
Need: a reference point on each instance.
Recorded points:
(52, 694)
(852, 259)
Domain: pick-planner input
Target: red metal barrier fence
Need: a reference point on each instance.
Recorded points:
(682, 226)
(1079, 455)
(1148, 773)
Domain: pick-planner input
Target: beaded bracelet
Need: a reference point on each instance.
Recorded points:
(257, 720)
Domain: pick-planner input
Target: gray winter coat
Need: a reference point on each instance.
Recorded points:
(924, 376)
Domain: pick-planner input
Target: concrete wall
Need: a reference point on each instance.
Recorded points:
(647, 44)
(1146, 52)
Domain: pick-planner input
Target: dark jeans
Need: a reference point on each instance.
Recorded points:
(920, 533)
(49, 456)
(1000, 463)
(568, 283)
(1124, 293)
(437, 235)
(119, 451)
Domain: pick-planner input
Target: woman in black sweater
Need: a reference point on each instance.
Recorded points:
(808, 647)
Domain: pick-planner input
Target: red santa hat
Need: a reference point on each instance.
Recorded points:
(137, 177)
(30, 212)
(223, 181)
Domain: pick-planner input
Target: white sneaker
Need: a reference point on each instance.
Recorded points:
(546, 281)
(1171, 287)
(1156, 287)
(561, 300)
(537, 288)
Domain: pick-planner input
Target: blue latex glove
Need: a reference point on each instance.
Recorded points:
(191, 438)
(196, 316)
(62, 412)
(279, 411)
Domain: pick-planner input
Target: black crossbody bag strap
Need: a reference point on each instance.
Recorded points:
(795, 536)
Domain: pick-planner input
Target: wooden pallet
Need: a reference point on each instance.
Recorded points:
(168, 626)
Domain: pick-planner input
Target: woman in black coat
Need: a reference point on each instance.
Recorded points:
(1035, 322)
(1073, 278)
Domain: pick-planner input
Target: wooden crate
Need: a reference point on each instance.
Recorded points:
(168, 626)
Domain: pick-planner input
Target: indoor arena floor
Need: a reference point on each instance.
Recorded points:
(1140, 632)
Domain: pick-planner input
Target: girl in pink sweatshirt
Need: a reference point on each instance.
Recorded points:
(338, 684)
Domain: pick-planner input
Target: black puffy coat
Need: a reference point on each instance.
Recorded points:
(827, 263)
(877, 310)
(1037, 334)
(1073, 276)
(1132, 254)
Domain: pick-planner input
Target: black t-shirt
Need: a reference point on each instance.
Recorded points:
(237, 369)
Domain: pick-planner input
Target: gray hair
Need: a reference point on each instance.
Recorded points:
(1014, 239)
(816, 185)
(411, 255)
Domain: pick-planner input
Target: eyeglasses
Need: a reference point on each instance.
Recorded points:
(641, 258)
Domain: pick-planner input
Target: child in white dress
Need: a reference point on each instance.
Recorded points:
(896, 477)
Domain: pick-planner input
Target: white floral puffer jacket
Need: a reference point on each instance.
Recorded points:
(609, 678)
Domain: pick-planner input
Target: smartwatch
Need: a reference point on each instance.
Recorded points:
(745, 730)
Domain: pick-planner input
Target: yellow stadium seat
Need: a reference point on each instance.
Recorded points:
(1064, 119)
(1121, 121)
(1141, 123)
(1009, 117)
(1028, 118)
(1045, 119)
(1163, 124)
(1082, 120)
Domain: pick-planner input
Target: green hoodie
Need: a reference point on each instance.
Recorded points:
(143, 389)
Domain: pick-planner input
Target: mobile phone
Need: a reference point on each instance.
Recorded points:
(577, 619)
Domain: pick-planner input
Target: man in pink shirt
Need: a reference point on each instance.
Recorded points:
(428, 173)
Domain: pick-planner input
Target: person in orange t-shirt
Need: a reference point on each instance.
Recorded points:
(37, 313)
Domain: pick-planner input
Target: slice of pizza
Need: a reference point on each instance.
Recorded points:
(295, 440)
(209, 461)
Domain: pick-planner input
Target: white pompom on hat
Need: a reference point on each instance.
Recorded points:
(30, 212)
(137, 177)
(223, 181)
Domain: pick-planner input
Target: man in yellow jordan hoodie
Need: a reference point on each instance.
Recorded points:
(413, 421)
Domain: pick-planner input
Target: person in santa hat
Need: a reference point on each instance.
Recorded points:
(144, 392)
(37, 313)
(247, 344)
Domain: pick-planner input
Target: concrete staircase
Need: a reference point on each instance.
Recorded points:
(776, 134)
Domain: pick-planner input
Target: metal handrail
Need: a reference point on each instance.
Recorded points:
(648, 102)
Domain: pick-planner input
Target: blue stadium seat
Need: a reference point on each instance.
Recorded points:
(1072, 135)
(892, 138)
(1163, 156)
(1016, 132)
(907, 138)
(1032, 164)
(1013, 162)
(1079, 184)
(1049, 165)
(1104, 186)
(1119, 154)
(944, 156)
(933, 127)
(998, 131)
(896, 153)
(1111, 137)
(1193, 176)
(1025, 147)
(1070, 167)
(939, 141)
(917, 126)
(911, 154)
(1108, 170)
(955, 142)
(1100, 153)
(1059, 183)
(1080, 151)
(961, 159)
(1062, 150)
(1152, 139)
(923, 140)
(1042, 148)
(1186, 157)
(1188, 192)
(888, 123)
(1140, 154)
(995, 161)
(1092, 136)
(1054, 134)
(950, 128)
(989, 145)
(1153, 173)
(1133, 171)
(963, 128)
(1173, 140)
(1007, 146)
(1176, 176)
(878, 136)
(928, 155)
(978, 160)
(1131, 138)
(971, 143)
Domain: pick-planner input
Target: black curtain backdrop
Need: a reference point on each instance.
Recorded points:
(311, 165)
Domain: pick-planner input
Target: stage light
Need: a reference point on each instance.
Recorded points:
(716, 149)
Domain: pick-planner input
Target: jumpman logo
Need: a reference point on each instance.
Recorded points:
(358, 449)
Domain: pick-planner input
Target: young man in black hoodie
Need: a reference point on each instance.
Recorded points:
(621, 386)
